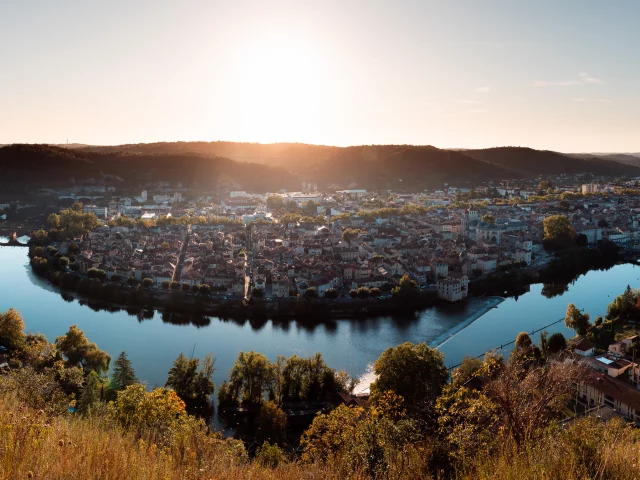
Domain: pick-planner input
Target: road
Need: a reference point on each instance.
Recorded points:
(178, 271)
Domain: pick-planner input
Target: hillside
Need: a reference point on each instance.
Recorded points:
(528, 162)
(626, 158)
(391, 166)
(45, 165)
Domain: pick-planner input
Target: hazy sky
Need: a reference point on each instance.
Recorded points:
(554, 74)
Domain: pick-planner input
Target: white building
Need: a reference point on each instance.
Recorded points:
(100, 212)
(454, 287)
(589, 188)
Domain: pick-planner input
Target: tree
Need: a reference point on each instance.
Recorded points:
(53, 220)
(251, 378)
(331, 293)
(466, 370)
(363, 292)
(576, 320)
(97, 273)
(269, 455)
(80, 352)
(77, 207)
(311, 293)
(558, 232)
(90, 394)
(166, 284)
(556, 343)
(350, 234)
(330, 433)
(544, 185)
(416, 372)
(175, 285)
(490, 219)
(272, 422)
(527, 398)
(353, 293)
(63, 262)
(123, 374)
(374, 292)
(523, 340)
(192, 386)
(257, 293)
(12, 330)
(204, 289)
(407, 287)
(185, 287)
(147, 282)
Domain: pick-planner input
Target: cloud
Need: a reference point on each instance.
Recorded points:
(466, 100)
(584, 79)
(483, 89)
(588, 79)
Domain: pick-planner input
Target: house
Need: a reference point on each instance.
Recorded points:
(453, 288)
(623, 347)
(602, 390)
(584, 347)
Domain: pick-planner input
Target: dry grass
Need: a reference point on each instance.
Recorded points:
(34, 445)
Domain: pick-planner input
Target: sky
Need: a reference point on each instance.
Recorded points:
(549, 74)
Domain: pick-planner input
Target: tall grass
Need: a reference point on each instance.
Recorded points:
(38, 446)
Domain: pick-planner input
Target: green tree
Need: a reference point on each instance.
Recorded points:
(353, 293)
(80, 352)
(363, 292)
(331, 293)
(466, 370)
(558, 232)
(147, 282)
(166, 284)
(576, 320)
(204, 289)
(407, 287)
(77, 207)
(53, 220)
(251, 378)
(90, 393)
(416, 372)
(349, 234)
(123, 373)
(175, 285)
(272, 422)
(523, 340)
(269, 455)
(311, 293)
(490, 219)
(193, 386)
(12, 330)
(556, 343)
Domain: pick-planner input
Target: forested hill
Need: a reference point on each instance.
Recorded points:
(391, 166)
(45, 165)
(527, 162)
(271, 167)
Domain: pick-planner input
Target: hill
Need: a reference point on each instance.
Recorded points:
(388, 166)
(626, 158)
(45, 165)
(527, 162)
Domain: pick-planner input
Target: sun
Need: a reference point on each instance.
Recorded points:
(280, 89)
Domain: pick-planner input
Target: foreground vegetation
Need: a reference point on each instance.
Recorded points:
(63, 417)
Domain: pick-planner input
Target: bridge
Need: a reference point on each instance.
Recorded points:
(13, 241)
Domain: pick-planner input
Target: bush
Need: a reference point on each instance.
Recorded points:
(268, 455)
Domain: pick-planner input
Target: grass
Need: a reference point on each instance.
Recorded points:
(34, 445)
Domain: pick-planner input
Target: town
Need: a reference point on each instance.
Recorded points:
(338, 244)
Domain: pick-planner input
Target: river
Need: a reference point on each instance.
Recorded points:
(347, 344)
